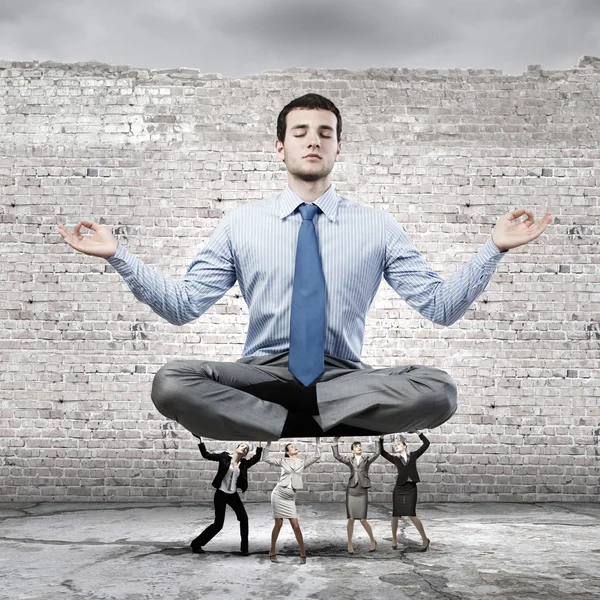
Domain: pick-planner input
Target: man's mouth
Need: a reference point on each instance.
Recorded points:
(312, 156)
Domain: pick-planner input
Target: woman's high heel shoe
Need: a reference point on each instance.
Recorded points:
(273, 558)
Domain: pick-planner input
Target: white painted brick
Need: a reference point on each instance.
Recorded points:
(160, 156)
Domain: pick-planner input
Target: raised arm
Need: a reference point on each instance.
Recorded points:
(206, 454)
(445, 301)
(316, 457)
(384, 453)
(252, 461)
(426, 443)
(179, 301)
(336, 452)
(276, 462)
(373, 457)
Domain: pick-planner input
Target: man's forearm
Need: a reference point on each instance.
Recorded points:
(444, 301)
(177, 301)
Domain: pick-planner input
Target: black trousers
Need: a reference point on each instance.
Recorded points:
(221, 500)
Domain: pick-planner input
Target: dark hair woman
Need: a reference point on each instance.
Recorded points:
(357, 490)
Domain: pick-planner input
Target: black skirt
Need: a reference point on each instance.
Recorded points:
(405, 500)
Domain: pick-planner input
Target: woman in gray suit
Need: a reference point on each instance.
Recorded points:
(357, 491)
(283, 497)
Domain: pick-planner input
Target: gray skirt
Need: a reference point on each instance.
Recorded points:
(357, 502)
(283, 502)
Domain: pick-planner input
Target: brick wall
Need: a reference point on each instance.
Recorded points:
(160, 156)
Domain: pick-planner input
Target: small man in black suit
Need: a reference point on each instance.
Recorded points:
(231, 475)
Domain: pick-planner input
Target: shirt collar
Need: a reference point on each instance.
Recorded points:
(289, 201)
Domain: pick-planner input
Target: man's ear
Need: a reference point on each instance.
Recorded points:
(279, 149)
(339, 150)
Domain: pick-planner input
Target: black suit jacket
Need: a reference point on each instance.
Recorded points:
(408, 469)
(224, 460)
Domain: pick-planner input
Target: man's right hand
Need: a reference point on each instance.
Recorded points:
(102, 244)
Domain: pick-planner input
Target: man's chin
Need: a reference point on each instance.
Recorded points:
(311, 177)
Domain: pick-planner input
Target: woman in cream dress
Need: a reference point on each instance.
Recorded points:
(283, 497)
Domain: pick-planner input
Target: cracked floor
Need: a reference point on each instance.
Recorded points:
(139, 551)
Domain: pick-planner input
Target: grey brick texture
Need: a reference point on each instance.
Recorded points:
(160, 156)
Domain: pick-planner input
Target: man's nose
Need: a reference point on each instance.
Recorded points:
(314, 141)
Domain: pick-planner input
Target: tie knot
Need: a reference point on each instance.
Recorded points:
(308, 211)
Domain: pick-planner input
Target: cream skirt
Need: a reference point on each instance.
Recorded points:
(283, 503)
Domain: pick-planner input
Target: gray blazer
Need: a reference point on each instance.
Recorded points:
(359, 472)
(291, 470)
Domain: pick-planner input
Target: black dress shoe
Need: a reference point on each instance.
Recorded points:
(245, 553)
(197, 549)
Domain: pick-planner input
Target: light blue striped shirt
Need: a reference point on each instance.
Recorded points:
(255, 244)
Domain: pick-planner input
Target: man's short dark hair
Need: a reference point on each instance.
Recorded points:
(308, 102)
(286, 448)
(355, 444)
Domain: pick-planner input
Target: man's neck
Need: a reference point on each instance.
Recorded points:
(309, 191)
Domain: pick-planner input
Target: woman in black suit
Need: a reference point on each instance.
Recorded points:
(405, 490)
(232, 474)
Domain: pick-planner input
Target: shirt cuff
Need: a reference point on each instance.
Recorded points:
(121, 259)
(489, 252)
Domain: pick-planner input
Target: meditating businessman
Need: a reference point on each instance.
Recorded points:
(308, 263)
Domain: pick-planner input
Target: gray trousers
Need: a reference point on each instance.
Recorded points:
(204, 397)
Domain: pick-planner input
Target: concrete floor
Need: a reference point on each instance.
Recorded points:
(139, 551)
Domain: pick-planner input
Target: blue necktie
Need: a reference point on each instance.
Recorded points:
(307, 324)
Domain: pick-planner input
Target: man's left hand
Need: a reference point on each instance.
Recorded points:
(510, 233)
